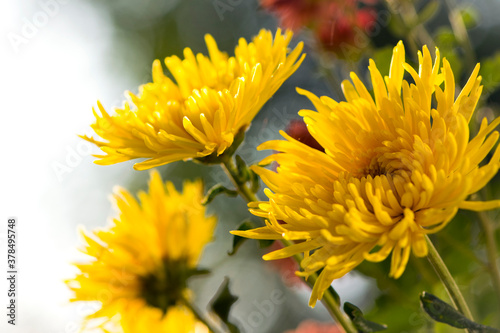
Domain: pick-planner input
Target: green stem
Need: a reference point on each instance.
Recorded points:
(329, 297)
(231, 170)
(491, 251)
(199, 316)
(447, 279)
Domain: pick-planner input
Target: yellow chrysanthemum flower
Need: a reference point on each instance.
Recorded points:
(396, 167)
(199, 114)
(142, 262)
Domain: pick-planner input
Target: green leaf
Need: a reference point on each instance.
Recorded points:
(398, 27)
(446, 38)
(470, 17)
(447, 43)
(215, 191)
(221, 304)
(490, 71)
(428, 12)
(243, 172)
(362, 325)
(197, 271)
(444, 313)
(255, 181)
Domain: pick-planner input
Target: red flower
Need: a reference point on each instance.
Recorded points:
(338, 24)
(344, 26)
(293, 14)
(365, 18)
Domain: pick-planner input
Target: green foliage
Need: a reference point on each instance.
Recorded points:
(448, 45)
(428, 12)
(490, 70)
(255, 181)
(362, 325)
(215, 191)
(407, 315)
(398, 27)
(470, 17)
(221, 305)
(443, 312)
(247, 175)
(242, 168)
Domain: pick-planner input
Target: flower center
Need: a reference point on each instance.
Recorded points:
(384, 161)
(166, 287)
(375, 168)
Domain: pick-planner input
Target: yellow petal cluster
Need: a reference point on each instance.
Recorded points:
(199, 112)
(397, 166)
(141, 263)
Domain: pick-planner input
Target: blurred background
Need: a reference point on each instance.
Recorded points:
(60, 56)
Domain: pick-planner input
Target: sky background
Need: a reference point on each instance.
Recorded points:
(50, 81)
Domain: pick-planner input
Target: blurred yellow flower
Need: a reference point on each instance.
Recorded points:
(142, 262)
(396, 167)
(200, 113)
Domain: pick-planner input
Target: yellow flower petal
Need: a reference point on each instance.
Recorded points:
(212, 99)
(480, 205)
(140, 263)
(395, 168)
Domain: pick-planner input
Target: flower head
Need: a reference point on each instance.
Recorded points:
(397, 166)
(342, 28)
(199, 113)
(142, 262)
(339, 25)
(293, 14)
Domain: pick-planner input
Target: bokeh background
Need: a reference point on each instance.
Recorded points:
(58, 57)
